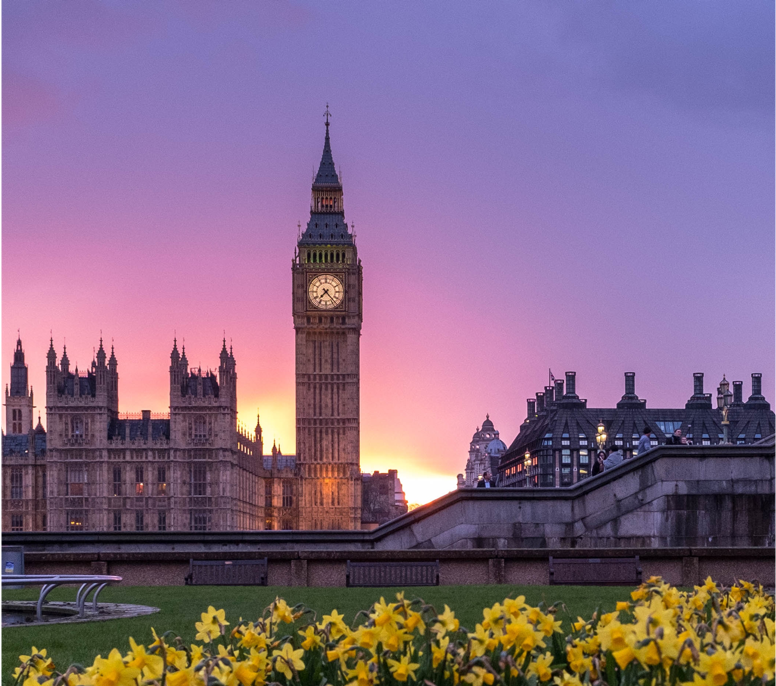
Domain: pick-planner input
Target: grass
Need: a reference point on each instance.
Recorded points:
(181, 606)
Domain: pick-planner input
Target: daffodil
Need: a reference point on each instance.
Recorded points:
(478, 676)
(439, 652)
(150, 665)
(414, 621)
(336, 624)
(281, 612)
(403, 669)
(445, 622)
(541, 667)
(361, 674)
(716, 666)
(287, 659)
(212, 624)
(184, 677)
(112, 671)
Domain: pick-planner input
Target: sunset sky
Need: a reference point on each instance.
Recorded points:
(536, 185)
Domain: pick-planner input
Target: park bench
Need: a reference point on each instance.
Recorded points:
(595, 571)
(392, 573)
(227, 573)
(48, 582)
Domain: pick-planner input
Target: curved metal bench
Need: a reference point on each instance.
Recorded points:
(88, 583)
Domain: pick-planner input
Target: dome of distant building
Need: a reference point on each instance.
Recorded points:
(485, 451)
(496, 448)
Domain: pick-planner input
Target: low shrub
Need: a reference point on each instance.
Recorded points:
(710, 636)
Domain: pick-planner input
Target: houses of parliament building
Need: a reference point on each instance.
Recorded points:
(196, 468)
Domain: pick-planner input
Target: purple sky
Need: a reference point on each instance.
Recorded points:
(583, 186)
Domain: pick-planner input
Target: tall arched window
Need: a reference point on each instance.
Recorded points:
(200, 427)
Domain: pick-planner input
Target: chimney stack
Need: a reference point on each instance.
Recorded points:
(630, 383)
(531, 408)
(571, 383)
(558, 389)
(757, 385)
(738, 392)
(698, 382)
(539, 402)
(549, 396)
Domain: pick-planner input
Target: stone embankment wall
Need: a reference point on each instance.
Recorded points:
(720, 496)
(686, 511)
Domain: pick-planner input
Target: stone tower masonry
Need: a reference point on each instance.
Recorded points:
(327, 311)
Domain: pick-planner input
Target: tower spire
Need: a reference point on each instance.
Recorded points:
(327, 173)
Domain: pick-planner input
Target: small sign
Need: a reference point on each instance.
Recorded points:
(9, 568)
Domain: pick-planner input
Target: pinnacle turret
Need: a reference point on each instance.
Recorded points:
(101, 355)
(65, 362)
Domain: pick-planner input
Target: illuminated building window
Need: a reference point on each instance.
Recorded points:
(139, 482)
(76, 521)
(161, 480)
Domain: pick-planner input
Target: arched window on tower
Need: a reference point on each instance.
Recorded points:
(200, 428)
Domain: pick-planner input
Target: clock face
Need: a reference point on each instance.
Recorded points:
(325, 291)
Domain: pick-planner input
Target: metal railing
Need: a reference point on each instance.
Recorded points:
(88, 583)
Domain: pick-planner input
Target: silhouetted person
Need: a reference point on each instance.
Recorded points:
(676, 439)
(615, 457)
(598, 464)
(644, 442)
(485, 481)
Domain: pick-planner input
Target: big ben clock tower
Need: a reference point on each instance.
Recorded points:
(327, 320)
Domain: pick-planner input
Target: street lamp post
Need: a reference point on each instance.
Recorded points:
(527, 466)
(725, 424)
(600, 437)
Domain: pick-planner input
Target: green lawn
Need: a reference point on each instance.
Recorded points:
(181, 606)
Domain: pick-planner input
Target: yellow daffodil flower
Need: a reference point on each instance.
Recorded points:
(112, 671)
(541, 667)
(403, 669)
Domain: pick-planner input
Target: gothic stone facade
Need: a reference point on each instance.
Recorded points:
(94, 469)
